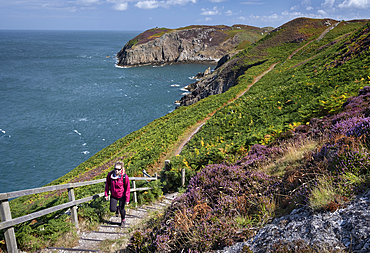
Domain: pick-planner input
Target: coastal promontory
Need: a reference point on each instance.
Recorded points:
(192, 44)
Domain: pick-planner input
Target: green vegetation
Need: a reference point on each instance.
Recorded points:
(247, 33)
(315, 82)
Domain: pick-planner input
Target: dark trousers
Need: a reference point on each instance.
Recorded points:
(121, 207)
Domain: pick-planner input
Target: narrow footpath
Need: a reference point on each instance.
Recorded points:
(90, 241)
(199, 125)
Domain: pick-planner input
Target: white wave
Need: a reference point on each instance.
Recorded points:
(175, 85)
(121, 67)
(185, 93)
(82, 119)
(84, 144)
(3, 131)
(85, 152)
(85, 56)
(183, 89)
(77, 132)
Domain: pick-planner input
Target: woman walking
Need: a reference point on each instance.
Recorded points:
(118, 184)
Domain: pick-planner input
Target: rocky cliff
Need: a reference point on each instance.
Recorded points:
(217, 82)
(185, 45)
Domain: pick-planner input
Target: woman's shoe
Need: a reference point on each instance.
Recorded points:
(123, 223)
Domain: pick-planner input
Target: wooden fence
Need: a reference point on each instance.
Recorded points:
(7, 223)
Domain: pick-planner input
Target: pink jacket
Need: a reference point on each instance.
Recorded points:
(117, 188)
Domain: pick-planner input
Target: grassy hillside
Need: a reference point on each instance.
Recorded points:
(298, 137)
(290, 95)
(248, 34)
(316, 81)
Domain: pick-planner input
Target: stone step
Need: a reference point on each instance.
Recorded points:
(110, 229)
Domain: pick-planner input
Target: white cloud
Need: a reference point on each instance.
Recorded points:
(273, 16)
(229, 13)
(208, 19)
(328, 3)
(321, 12)
(152, 4)
(179, 2)
(266, 19)
(292, 14)
(71, 6)
(87, 2)
(358, 4)
(305, 4)
(294, 7)
(252, 2)
(120, 6)
(217, 1)
(207, 12)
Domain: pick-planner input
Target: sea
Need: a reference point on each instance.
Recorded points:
(63, 99)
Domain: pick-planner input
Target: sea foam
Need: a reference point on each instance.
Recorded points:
(77, 132)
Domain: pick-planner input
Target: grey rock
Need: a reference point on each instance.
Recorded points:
(181, 46)
(345, 229)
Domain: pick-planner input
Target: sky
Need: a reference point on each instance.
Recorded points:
(140, 15)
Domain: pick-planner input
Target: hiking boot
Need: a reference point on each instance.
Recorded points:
(123, 223)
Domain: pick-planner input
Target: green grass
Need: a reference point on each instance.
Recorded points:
(284, 98)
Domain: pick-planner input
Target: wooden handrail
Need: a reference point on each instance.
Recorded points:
(15, 194)
(8, 223)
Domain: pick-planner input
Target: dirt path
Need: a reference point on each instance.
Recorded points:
(199, 125)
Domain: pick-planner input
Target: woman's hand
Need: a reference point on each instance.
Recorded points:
(106, 197)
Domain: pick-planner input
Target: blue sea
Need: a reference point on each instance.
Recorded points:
(62, 99)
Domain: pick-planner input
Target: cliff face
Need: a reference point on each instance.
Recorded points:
(217, 82)
(196, 44)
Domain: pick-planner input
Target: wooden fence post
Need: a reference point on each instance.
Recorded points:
(182, 177)
(71, 197)
(135, 195)
(167, 166)
(9, 234)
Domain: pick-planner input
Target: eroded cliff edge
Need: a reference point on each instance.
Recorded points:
(162, 46)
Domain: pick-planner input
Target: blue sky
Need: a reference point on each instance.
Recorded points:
(141, 15)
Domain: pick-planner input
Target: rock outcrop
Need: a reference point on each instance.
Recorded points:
(344, 229)
(200, 75)
(185, 45)
(219, 81)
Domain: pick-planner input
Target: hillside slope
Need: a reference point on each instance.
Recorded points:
(161, 46)
(225, 76)
(297, 142)
(314, 83)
